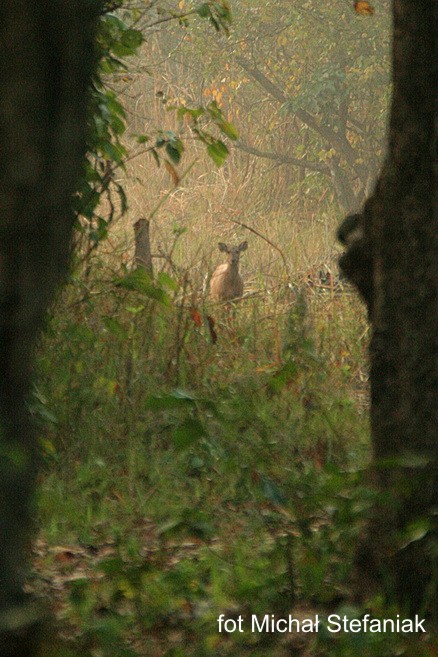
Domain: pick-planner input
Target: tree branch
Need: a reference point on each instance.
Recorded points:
(283, 158)
(335, 139)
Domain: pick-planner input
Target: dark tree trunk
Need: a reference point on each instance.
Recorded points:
(142, 255)
(392, 257)
(46, 60)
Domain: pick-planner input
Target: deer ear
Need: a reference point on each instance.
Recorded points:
(223, 247)
(243, 246)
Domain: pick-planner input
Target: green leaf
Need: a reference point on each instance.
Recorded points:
(158, 294)
(218, 152)
(132, 39)
(137, 279)
(215, 111)
(197, 112)
(127, 43)
(140, 281)
(113, 105)
(110, 65)
(204, 10)
(167, 281)
(174, 152)
(187, 434)
(416, 531)
(117, 125)
(228, 129)
(115, 152)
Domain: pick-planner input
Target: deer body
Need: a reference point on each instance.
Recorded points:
(226, 283)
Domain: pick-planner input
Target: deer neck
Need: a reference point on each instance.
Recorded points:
(233, 268)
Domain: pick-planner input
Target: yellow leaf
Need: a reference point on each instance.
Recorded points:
(363, 8)
(47, 446)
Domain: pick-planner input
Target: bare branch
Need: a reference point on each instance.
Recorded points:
(282, 158)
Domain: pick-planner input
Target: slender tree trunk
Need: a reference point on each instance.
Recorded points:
(46, 60)
(343, 187)
(392, 256)
(142, 255)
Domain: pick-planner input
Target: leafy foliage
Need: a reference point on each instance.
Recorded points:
(311, 80)
(120, 38)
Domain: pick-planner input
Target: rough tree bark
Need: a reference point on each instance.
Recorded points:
(392, 257)
(46, 60)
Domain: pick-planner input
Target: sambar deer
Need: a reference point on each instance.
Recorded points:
(226, 283)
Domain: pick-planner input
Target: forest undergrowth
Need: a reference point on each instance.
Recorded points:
(201, 460)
